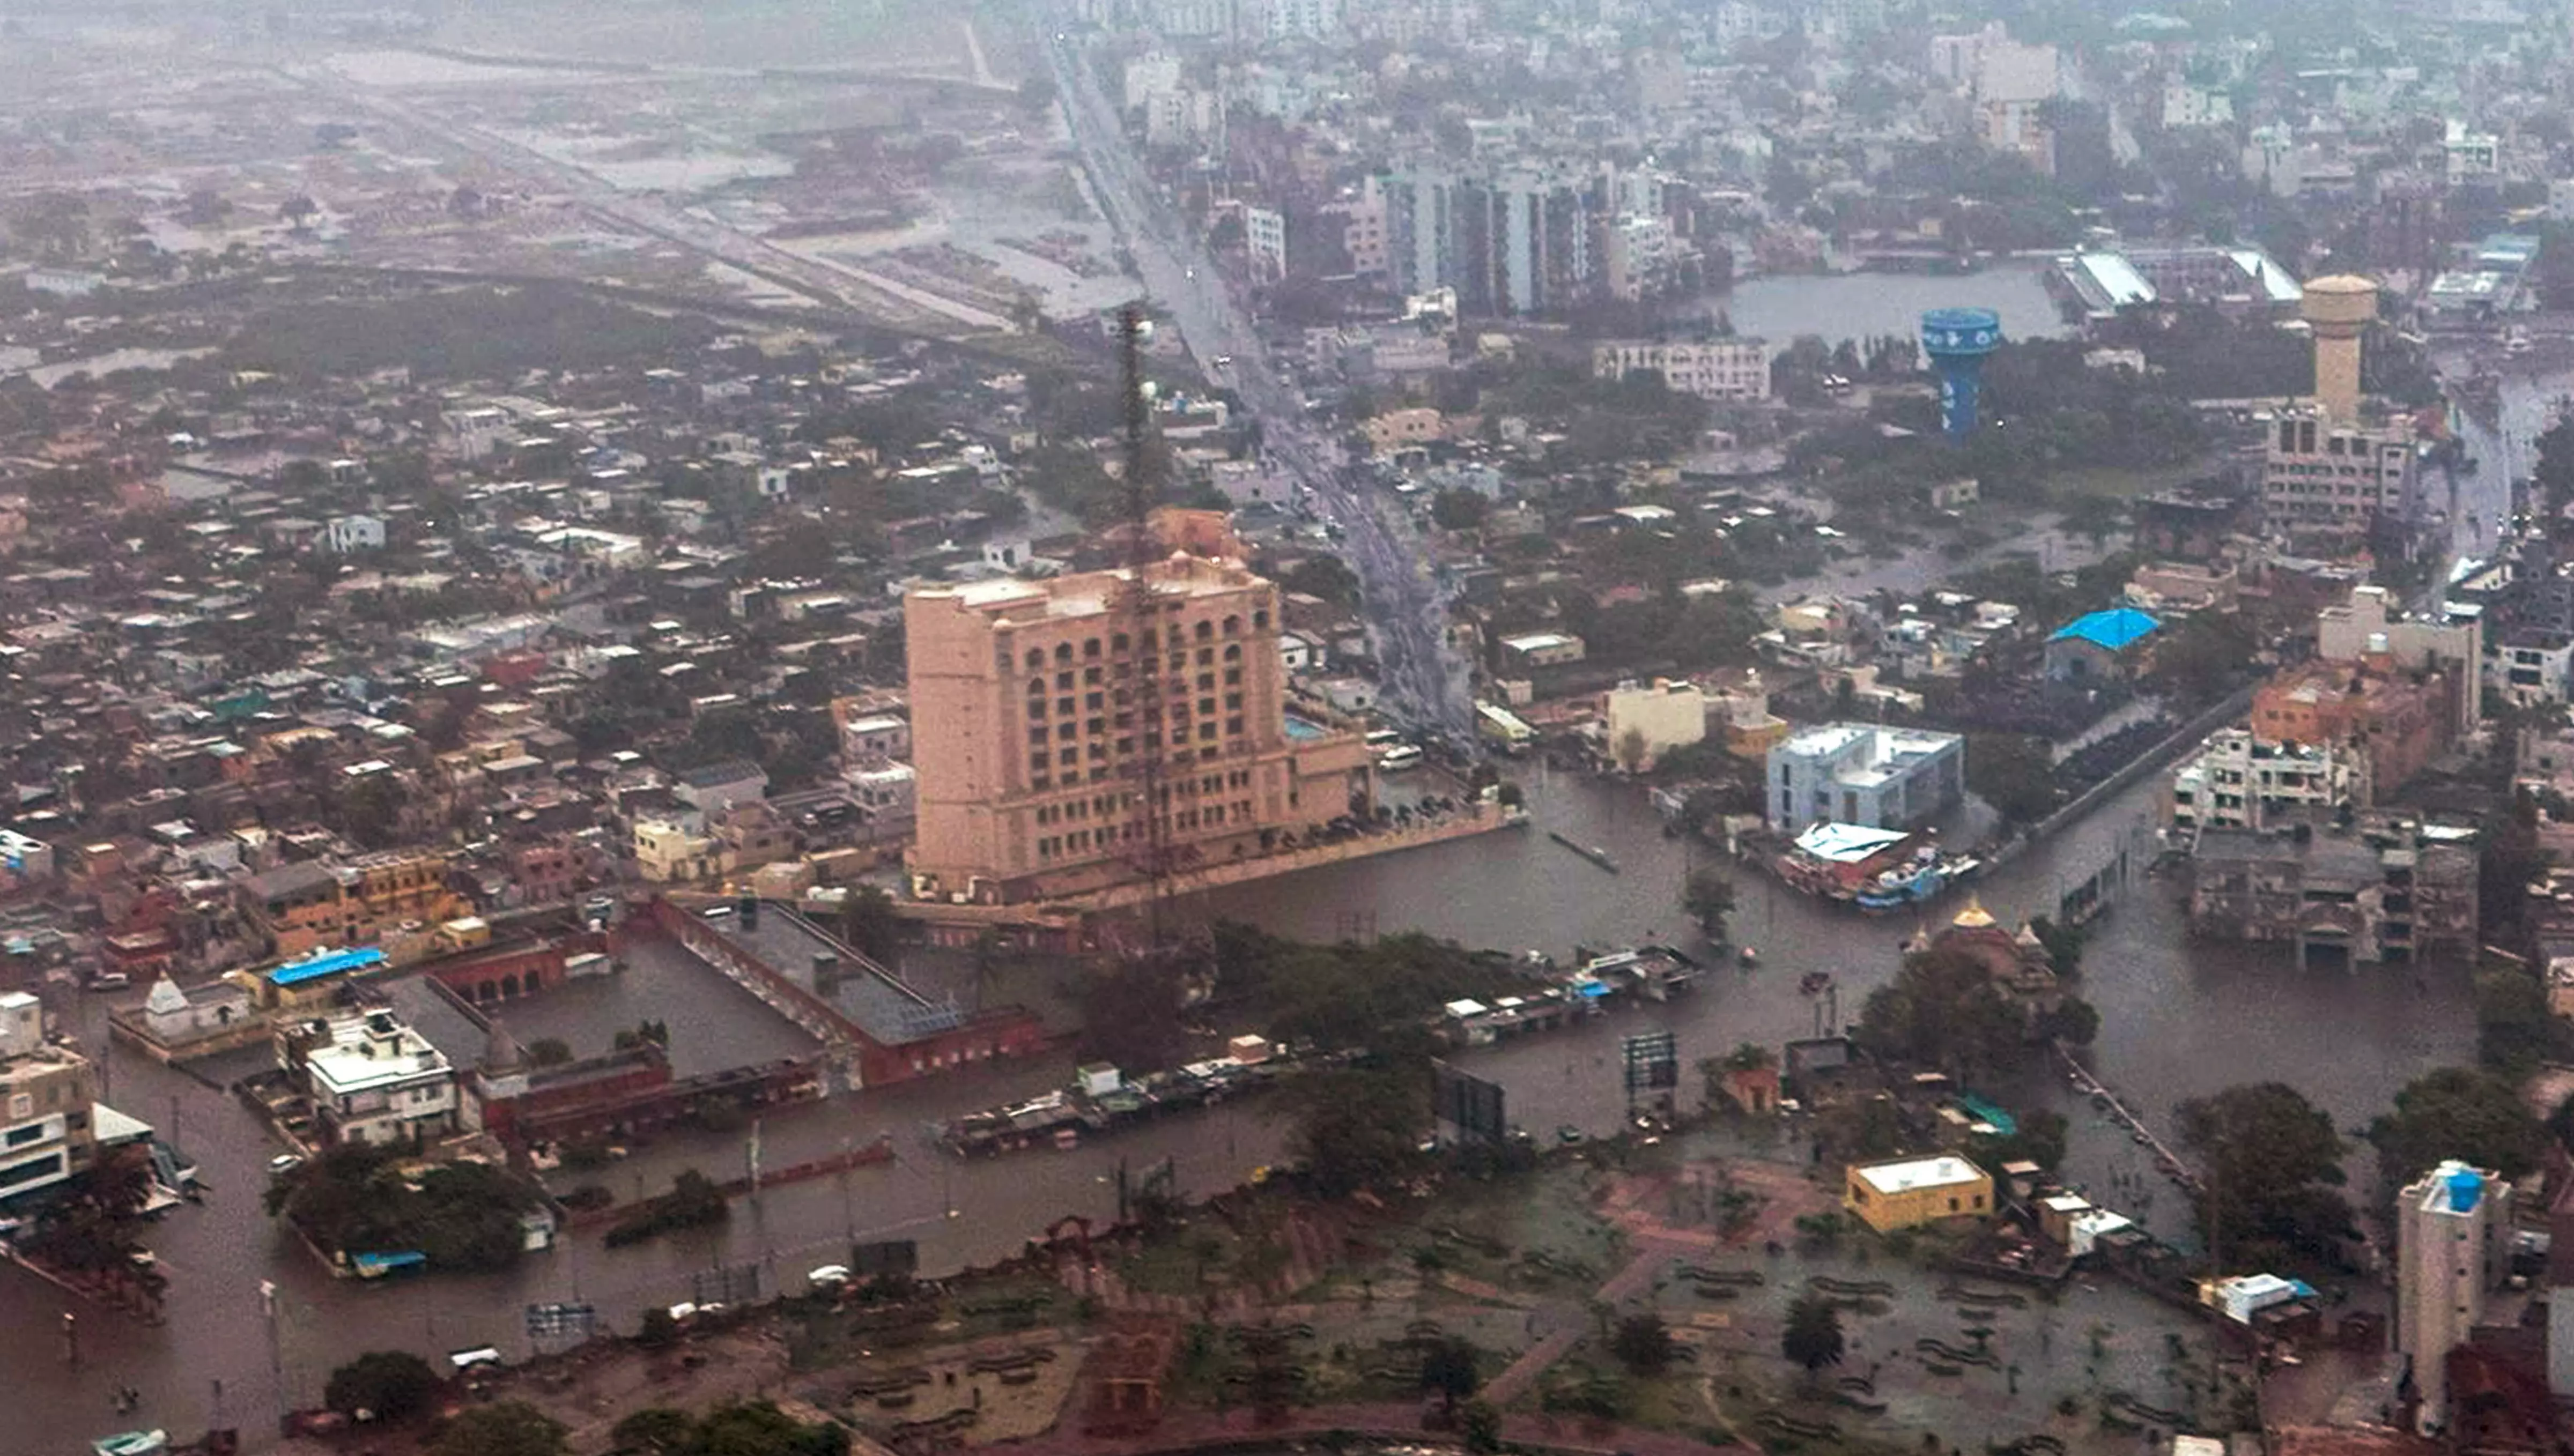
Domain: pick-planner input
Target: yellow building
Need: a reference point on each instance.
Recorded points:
(1906, 1191)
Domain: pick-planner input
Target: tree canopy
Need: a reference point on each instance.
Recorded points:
(2273, 1167)
(2459, 1112)
(509, 1428)
(1812, 1337)
(1943, 1011)
(384, 1385)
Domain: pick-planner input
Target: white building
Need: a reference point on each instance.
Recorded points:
(1264, 238)
(1723, 369)
(2469, 155)
(2237, 781)
(2452, 1246)
(343, 534)
(1155, 73)
(372, 1079)
(1863, 774)
(2323, 477)
(48, 1098)
(1302, 19)
(1646, 722)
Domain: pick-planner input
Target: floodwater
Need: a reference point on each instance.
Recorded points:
(2179, 1019)
(1780, 307)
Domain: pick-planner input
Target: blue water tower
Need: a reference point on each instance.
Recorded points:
(1956, 340)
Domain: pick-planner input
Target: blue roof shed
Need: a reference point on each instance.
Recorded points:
(2114, 631)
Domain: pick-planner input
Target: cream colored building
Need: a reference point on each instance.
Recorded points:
(1041, 710)
(1646, 721)
(1721, 368)
(2365, 626)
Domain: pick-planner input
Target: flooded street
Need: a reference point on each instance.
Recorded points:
(2178, 1021)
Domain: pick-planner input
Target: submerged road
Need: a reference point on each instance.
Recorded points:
(1422, 678)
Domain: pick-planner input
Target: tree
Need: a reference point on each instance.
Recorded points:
(2272, 1162)
(2011, 771)
(1813, 1336)
(2458, 1112)
(1447, 1366)
(1708, 898)
(868, 923)
(1631, 751)
(757, 1428)
(510, 1428)
(548, 1052)
(655, 1430)
(2205, 655)
(2073, 1021)
(657, 1330)
(1943, 1011)
(1359, 1126)
(1459, 511)
(1481, 1426)
(381, 1385)
(1643, 1345)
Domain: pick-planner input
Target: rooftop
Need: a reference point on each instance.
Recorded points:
(2114, 631)
(1911, 1174)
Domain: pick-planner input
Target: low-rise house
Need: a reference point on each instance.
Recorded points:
(1905, 1192)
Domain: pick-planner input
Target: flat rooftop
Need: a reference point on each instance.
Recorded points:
(889, 1011)
(1912, 1174)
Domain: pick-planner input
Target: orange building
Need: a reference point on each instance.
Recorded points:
(1039, 709)
(2400, 720)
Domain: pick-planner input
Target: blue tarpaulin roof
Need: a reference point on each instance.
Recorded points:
(2115, 629)
(385, 1264)
(332, 963)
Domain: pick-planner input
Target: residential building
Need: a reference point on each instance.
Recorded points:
(2333, 479)
(371, 1078)
(668, 852)
(1264, 239)
(1541, 649)
(1723, 369)
(1045, 709)
(2397, 723)
(2367, 625)
(2385, 890)
(2100, 645)
(2239, 780)
(1907, 1192)
(2452, 1248)
(1645, 722)
(1864, 774)
(48, 1098)
(343, 534)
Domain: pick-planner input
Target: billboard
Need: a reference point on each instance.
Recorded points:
(1468, 1109)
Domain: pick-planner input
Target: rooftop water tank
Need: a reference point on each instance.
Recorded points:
(2466, 1186)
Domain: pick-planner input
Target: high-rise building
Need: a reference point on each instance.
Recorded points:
(1043, 711)
(2452, 1246)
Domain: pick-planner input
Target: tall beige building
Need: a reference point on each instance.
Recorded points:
(1040, 710)
(2452, 1246)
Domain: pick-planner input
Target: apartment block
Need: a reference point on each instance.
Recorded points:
(2386, 890)
(1044, 710)
(2369, 626)
(371, 1078)
(2239, 780)
(1864, 774)
(47, 1099)
(2325, 479)
(2452, 1248)
(1725, 368)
